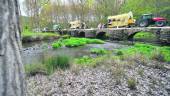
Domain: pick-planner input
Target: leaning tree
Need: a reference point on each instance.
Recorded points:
(11, 68)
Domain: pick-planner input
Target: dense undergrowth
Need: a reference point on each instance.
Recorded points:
(75, 42)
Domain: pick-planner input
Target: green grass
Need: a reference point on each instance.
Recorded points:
(98, 51)
(57, 62)
(49, 65)
(149, 51)
(89, 61)
(33, 69)
(75, 42)
(57, 44)
(145, 35)
(38, 34)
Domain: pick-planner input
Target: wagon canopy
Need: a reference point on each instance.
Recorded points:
(120, 20)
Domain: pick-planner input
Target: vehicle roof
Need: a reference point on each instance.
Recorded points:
(148, 14)
(125, 15)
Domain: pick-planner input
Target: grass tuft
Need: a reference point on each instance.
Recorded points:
(57, 62)
(98, 51)
(49, 65)
(132, 83)
(33, 69)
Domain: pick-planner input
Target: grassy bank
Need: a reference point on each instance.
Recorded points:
(35, 36)
(75, 42)
(147, 50)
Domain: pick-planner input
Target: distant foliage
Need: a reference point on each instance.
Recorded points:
(139, 7)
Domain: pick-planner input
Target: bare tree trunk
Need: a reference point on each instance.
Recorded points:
(11, 68)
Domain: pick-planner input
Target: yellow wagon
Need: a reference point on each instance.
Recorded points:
(123, 20)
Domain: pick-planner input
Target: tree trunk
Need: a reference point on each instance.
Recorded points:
(11, 69)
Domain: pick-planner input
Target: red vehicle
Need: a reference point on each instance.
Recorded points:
(149, 19)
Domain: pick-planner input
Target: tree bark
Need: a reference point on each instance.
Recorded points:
(11, 69)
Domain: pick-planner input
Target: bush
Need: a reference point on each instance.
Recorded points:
(132, 83)
(98, 51)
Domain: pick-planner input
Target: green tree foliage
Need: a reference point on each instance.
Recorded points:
(139, 7)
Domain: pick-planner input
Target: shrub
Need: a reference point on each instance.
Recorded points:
(98, 51)
(132, 83)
